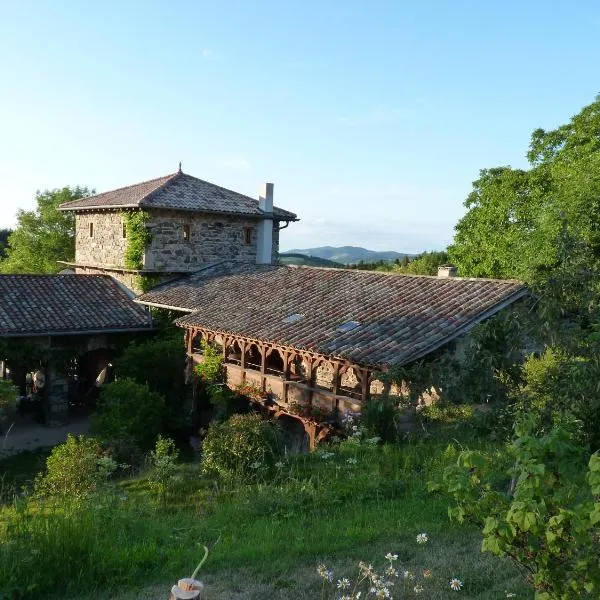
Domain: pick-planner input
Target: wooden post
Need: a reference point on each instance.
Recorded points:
(263, 361)
(286, 376)
(365, 385)
(336, 376)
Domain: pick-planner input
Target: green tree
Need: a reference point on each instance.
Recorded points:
(426, 263)
(43, 236)
(4, 233)
(518, 221)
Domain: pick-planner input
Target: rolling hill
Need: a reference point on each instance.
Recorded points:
(346, 255)
(289, 258)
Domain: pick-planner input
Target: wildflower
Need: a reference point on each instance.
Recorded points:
(327, 455)
(382, 593)
(418, 588)
(373, 441)
(455, 584)
(280, 464)
(255, 465)
(325, 573)
(422, 538)
(391, 557)
(391, 572)
(511, 595)
(352, 461)
(354, 427)
(343, 584)
(427, 573)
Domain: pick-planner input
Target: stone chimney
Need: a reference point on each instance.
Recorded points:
(264, 250)
(447, 271)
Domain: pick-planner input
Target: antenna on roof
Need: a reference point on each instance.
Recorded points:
(179, 171)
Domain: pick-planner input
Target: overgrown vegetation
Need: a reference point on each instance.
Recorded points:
(138, 238)
(43, 236)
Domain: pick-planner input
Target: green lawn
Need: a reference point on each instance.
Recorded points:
(266, 539)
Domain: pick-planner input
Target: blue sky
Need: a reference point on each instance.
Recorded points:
(371, 118)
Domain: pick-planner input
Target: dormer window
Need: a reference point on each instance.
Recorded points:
(348, 326)
(186, 233)
(91, 229)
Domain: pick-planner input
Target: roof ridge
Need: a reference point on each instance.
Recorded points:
(396, 274)
(168, 178)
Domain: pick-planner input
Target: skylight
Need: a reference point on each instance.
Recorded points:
(348, 326)
(292, 318)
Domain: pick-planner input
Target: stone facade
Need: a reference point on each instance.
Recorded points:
(181, 241)
(104, 244)
(185, 241)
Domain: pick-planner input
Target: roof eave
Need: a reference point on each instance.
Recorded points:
(149, 327)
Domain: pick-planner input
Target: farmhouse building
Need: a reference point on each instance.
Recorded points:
(43, 315)
(312, 340)
(173, 225)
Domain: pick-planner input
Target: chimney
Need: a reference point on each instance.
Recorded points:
(264, 250)
(447, 271)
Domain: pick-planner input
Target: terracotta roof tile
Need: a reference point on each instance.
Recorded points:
(61, 304)
(177, 191)
(402, 317)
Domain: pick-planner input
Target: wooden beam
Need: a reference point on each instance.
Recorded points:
(263, 364)
(365, 385)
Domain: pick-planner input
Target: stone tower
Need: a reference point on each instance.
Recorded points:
(149, 232)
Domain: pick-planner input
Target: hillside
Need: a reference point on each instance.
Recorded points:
(289, 258)
(348, 254)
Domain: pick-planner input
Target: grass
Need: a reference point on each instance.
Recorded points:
(266, 539)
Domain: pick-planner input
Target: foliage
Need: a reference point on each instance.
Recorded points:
(8, 395)
(210, 370)
(43, 236)
(4, 235)
(426, 263)
(147, 281)
(138, 237)
(308, 411)
(380, 418)
(74, 469)
(131, 411)
(518, 220)
(164, 466)
(159, 363)
(559, 385)
(237, 448)
(547, 520)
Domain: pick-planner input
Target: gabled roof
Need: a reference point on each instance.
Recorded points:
(177, 191)
(67, 304)
(400, 317)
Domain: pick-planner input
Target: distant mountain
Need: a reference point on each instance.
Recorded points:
(290, 258)
(348, 255)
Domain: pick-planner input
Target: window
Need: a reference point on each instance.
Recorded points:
(348, 326)
(91, 229)
(292, 318)
(124, 230)
(186, 233)
(247, 235)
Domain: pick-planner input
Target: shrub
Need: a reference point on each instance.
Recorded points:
(159, 363)
(130, 411)
(241, 447)
(8, 395)
(380, 417)
(546, 518)
(557, 384)
(74, 469)
(164, 466)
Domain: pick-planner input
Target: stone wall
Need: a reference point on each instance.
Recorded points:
(106, 246)
(210, 238)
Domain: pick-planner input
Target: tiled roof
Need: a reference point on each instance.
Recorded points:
(177, 191)
(401, 317)
(62, 304)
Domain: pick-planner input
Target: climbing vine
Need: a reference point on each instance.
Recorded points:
(138, 238)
